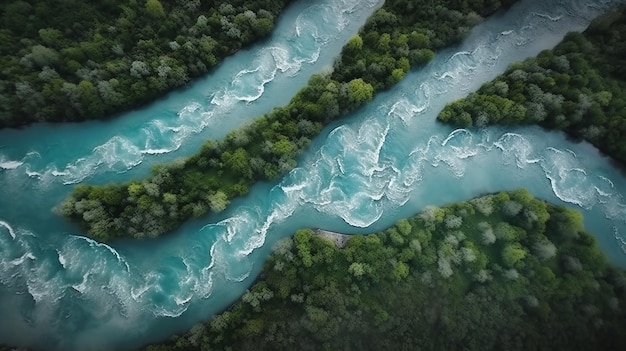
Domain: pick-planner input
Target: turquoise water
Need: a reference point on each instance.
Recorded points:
(59, 290)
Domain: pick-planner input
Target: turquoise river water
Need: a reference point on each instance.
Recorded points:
(62, 291)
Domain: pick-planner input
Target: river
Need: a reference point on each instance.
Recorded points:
(59, 290)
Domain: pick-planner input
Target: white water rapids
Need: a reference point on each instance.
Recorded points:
(59, 290)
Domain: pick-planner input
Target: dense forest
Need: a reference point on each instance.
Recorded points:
(71, 60)
(500, 272)
(398, 36)
(578, 87)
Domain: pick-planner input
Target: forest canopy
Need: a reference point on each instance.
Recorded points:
(72, 60)
(578, 87)
(503, 271)
(398, 36)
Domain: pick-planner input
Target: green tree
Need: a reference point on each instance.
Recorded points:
(43, 56)
(238, 162)
(218, 201)
(155, 9)
(404, 227)
(354, 44)
(513, 254)
(283, 148)
(400, 271)
(359, 91)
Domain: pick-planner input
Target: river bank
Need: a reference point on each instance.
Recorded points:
(379, 165)
(340, 240)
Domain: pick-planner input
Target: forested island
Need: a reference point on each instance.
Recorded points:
(578, 87)
(400, 35)
(73, 60)
(504, 271)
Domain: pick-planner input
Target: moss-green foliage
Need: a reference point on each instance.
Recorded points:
(404, 34)
(268, 147)
(579, 87)
(431, 283)
(70, 60)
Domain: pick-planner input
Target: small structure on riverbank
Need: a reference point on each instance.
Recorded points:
(339, 239)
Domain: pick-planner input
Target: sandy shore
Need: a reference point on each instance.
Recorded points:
(339, 239)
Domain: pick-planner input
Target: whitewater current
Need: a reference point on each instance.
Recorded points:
(62, 291)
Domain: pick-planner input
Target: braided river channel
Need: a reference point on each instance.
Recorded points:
(62, 291)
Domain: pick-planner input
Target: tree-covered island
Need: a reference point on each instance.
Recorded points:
(503, 271)
(400, 35)
(500, 272)
(73, 60)
(578, 87)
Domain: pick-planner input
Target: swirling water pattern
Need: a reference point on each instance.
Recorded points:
(305, 40)
(63, 291)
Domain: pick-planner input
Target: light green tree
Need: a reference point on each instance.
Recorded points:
(355, 43)
(218, 201)
(155, 9)
(359, 91)
(513, 254)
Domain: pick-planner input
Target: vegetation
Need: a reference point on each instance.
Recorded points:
(500, 272)
(578, 87)
(71, 60)
(399, 35)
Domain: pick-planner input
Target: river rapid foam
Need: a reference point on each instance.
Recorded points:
(305, 40)
(60, 290)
